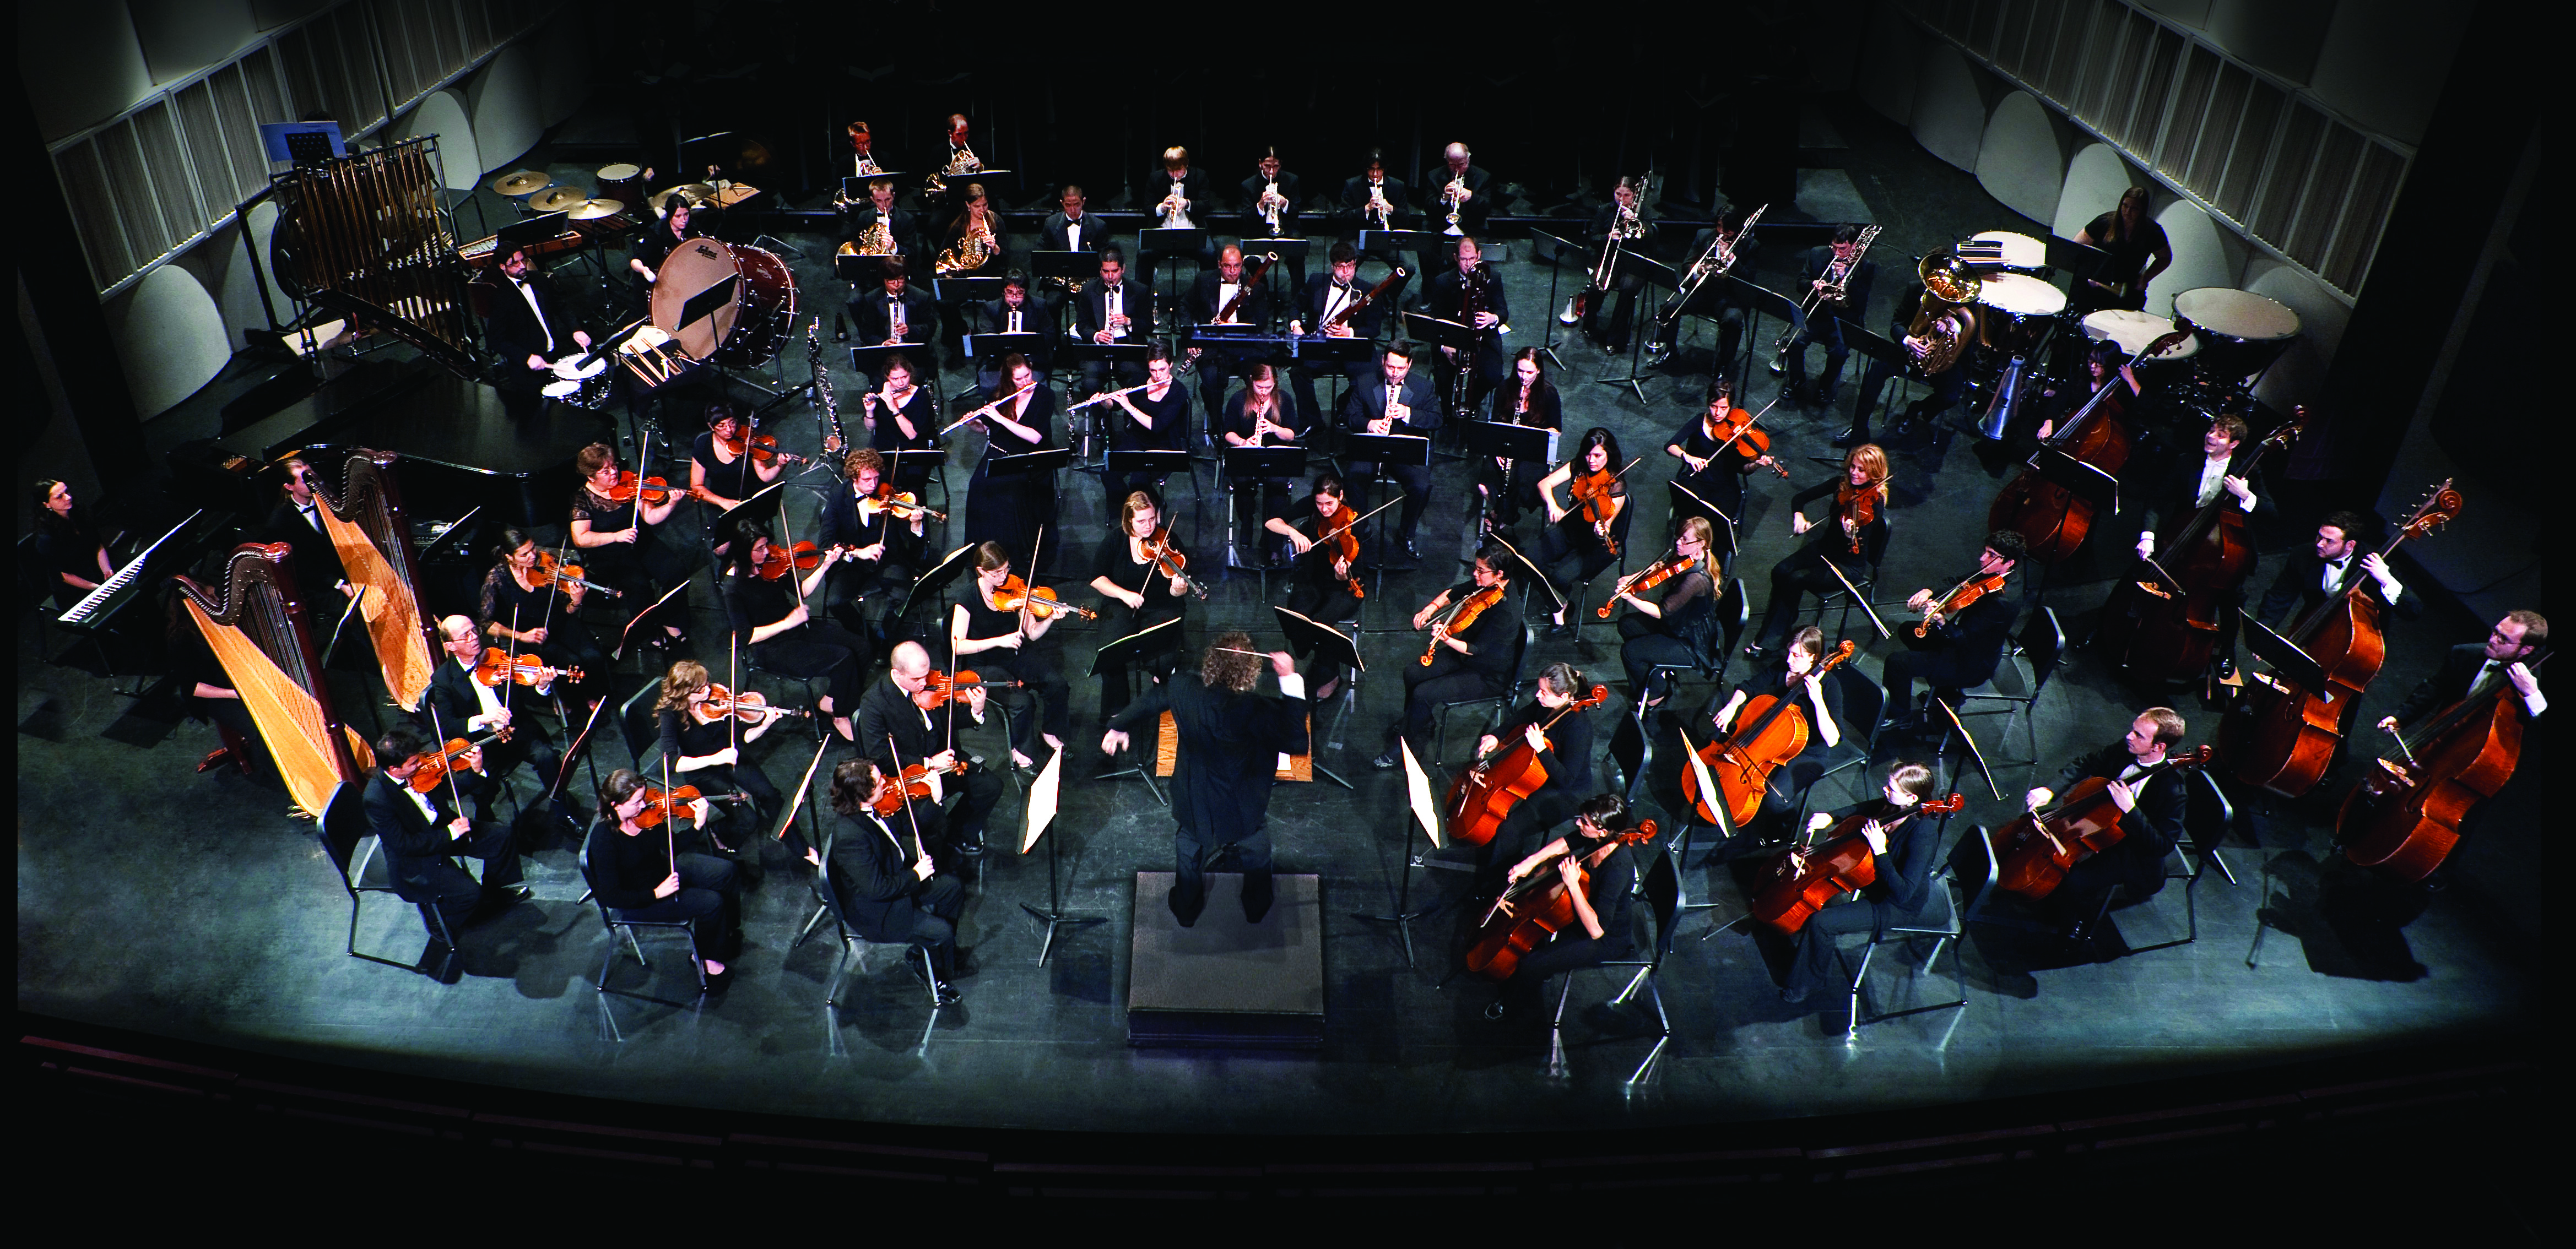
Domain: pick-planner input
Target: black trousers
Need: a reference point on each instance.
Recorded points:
(709, 902)
(1945, 671)
(438, 882)
(1414, 478)
(1825, 328)
(1302, 379)
(1042, 704)
(1817, 963)
(1800, 573)
(1194, 851)
(743, 821)
(528, 744)
(1118, 622)
(641, 572)
(1623, 310)
(1643, 645)
(932, 923)
(1509, 492)
(1524, 993)
(1316, 595)
(1448, 679)
(1947, 386)
(1569, 560)
(970, 800)
(825, 650)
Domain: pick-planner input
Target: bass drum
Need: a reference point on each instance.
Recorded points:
(739, 301)
(2241, 333)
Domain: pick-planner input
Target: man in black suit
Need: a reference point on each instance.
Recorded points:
(1375, 200)
(1272, 186)
(529, 328)
(297, 522)
(466, 707)
(1230, 740)
(1472, 203)
(897, 314)
(1397, 401)
(883, 875)
(1072, 229)
(902, 227)
(2330, 567)
(891, 726)
(1322, 298)
(1710, 299)
(1112, 311)
(2150, 819)
(1211, 296)
(1825, 317)
(1445, 297)
(2501, 657)
(1636, 225)
(2194, 481)
(1963, 648)
(1016, 312)
(421, 833)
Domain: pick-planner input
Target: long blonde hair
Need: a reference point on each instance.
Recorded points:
(1872, 460)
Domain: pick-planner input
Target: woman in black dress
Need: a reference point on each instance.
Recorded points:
(1505, 488)
(1573, 550)
(1259, 416)
(1011, 510)
(621, 547)
(718, 474)
(706, 749)
(772, 626)
(1843, 540)
(1011, 643)
(1713, 472)
(639, 873)
(68, 545)
(517, 613)
(901, 417)
(1145, 598)
(1156, 418)
(1681, 627)
(1321, 584)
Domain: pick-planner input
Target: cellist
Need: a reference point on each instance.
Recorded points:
(1819, 700)
(1902, 877)
(1565, 750)
(1601, 912)
(2151, 815)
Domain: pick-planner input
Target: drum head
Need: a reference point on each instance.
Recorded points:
(2006, 249)
(2134, 330)
(2236, 314)
(619, 172)
(692, 269)
(2021, 295)
(564, 388)
(643, 340)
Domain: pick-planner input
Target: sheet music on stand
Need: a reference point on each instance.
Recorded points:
(1043, 800)
(1969, 740)
(1417, 797)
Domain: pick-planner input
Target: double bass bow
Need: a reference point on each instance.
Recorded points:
(2163, 620)
(1770, 730)
(1803, 881)
(1536, 907)
(2403, 816)
(1484, 794)
(2036, 849)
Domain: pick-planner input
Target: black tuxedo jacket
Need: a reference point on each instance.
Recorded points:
(1195, 186)
(1253, 223)
(872, 869)
(904, 226)
(2302, 582)
(1256, 305)
(1445, 297)
(1855, 290)
(1355, 197)
(317, 562)
(1365, 323)
(1229, 751)
(451, 690)
(1472, 214)
(993, 316)
(2151, 830)
(872, 311)
(1090, 310)
(2175, 493)
(1366, 403)
(2448, 684)
(409, 837)
(514, 333)
(1055, 231)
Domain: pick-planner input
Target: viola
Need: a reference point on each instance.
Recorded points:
(902, 506)
(550, 571)
(750, 706)
(1645, 579)
(762, 448)
(666, 804)
(500, 667)
(1733, 431)
(1533, 909)
(1804, 881)
(1168, 560)
(652, 490)
(949, 687)
(1014, 594)
(2036, 850)
(1858, 507)
(1460, 615)
(434, 764)
(803, 557)
(1483, 795)
(1592, 498)
(1770, 730)
(892, 791)
(1958, 600)
(2163, 619)
(2403, 817)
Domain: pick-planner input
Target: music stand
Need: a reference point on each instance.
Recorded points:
(869, 362)
(1426, 814)
(981, 348)
(1760, 301)
(861, 271)
(970, 289)
(1655, 274)
(1076, 266)
(1159, 464)
(854, 187)
(2287, 659)
(1029, 464)
(1130, 652)
(529, 230)
(1424, 244)
(1276, 249)
(1970, 741)
(1504, 440)
(1163, 243)
(1422, 327)
(1254, 465)
(1386, 451)
(1041, 811)
(2082, 262)
(1306, 638)
(935, 582)
(1680, 492)
(1554, 268)
(1715, 799)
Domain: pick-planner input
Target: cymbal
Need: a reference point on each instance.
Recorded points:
(594, 209)
(557, 198)
(520, 182)
(697, 193)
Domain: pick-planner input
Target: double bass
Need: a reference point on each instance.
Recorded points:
(1802, 884)
(1533, 909)
(1483, 795)
(2163, 619)
(1770, 730)
(2036, 850)
(2403, 816)
(2283, 738)
(2052, 520)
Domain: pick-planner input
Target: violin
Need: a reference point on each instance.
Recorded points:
(803, 557)
(902, 506)
(1770, 730)
(1014, 594)
(2403, 817)
(1645, 579)
(1460, 615)
(666, 804)
(1533, 909)
(2162, 621)
(2035, 851)
(1957, 600)
(652, 490)
(1858, 506)
(1733, 431)
(1483, 795)
(893, 791)
(1592, 498)
(762, 448)
(549, 571)
(750, 707)
(1168, 560)
(434, 764)
(945, 687)
(1804, 881)
(500, 668)
(1341, 539)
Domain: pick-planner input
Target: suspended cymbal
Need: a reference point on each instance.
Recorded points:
(696, 192)
(520, 182)
(557, 198)
(594, 209)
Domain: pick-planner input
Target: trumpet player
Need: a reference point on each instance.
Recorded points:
(1109, 312)
(1838, 278)
(1710, 298)
(1270, 207)
(1620, 225)
(1375, 199)
(1454, 192)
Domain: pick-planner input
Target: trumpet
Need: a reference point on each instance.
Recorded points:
(1456, 193)
(1377, 209)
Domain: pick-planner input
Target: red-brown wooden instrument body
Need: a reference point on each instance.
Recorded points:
(1541, 908)
(2052, 520)
(2161, 632)
(1844, 864)
(2404, 821)
(1483, 796)
(1742, 762)
(2034, 854)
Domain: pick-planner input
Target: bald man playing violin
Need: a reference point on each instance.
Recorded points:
(898, 732)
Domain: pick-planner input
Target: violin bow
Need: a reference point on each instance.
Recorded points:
(789, 529)
(1713, 508)
(1030, 583)
(733, 681)
(454, 795)
(1859, 598)
(908, 812)
(1748, 425)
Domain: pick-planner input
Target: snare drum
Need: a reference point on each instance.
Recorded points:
(2242, 333)
(581, 385)
(748, 322)
(2134, 330)
(621, 182)
(2004, 250)
(2017, 311)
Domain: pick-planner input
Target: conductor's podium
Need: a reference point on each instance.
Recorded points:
(1223, 983)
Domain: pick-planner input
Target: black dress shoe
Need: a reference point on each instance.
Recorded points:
(973, 849)
(1852, 437)
(1757, 652)
(1559, 628)
(1385, 760)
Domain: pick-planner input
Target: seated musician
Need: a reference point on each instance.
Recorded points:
(1156, 418)
(2503, 656)
(206, 690)
(1013, 648)
(1564, 751)
(1396, 401)
(636, 874)
(653, 245)
(972, 241)
(1680, 626)
(2136, 251)
(1258, 416)
(2150, 820)
(1447, 297)
(1834, 289)
(530, 327)
(901, 419)
(888, 887)
(1016, 312)
(464, 706)
(1321, 299)
(1260, 198)
(1714, 477)
(1456, 185)
(1528, 398)
(424, 833)
(1960, 650)
(705, 746)
(1904, 873)
(1124, 572)
(1375, 199)
(880, 228)
(1574, 548)
(1211, 295)
(2192, 482)
(1226, 756)
(1111, 312)
(1636, 224)
(1815, 697)
(720, 476)
(1180, 198)
(898, 314)
(297, 522)
(775, 627)
(893, 726)
(1936, 321)
(523, 617)
(2334, 563)
(1603, 928)
(2102, 363)
(1711, 299)
(878, 551)
(1320, 585)
(620, 547)
(1473, 660)
(863, 154)
(68, 545)
(1843, 541)
(1071, 229)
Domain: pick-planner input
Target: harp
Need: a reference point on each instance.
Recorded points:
(365, 520)
(256, 628)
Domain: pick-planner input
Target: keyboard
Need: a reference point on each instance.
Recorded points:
(101, 605)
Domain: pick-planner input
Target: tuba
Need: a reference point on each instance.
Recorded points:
(1948, 284)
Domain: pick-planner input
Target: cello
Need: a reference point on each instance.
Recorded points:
(2036, 850)
(1484, 794)
(1534, 908)
(2163, 619)
(1770, 730)
(1804, 882)
(2403, 816)
(2283, 738)
(2052, 520)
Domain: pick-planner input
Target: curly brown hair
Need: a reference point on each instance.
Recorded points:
(1224, 669)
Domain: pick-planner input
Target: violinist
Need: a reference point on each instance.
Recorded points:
(718, 473)
(1322, 585)
(1228, 743)
(1679, 627)
(705, 744)
(1584, 532)
(901, 419)
(527, 607)
(1320, 299)
(1012, 644)
(68, 545)
(1852, 538)
(466, 707)
(2465, 667)
(1904, 856)
(878, 549)
(896, 314)
(422, 833)
(1603, 928)
(2151, 815)
(889, 888)
(614, 527)
(1469, 658)
(1398, 401)
(1126, 571)
(1258, 416)
(1962, 647)
(2333, 564)
(1838, 277)
(1527, 398)
(637, 872)
(1813, 695)
(1156, 418)
(1011, 510)
(1564, 750)
(773, 624)
(894, 723)
(1471, 295)
(1716, 460)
